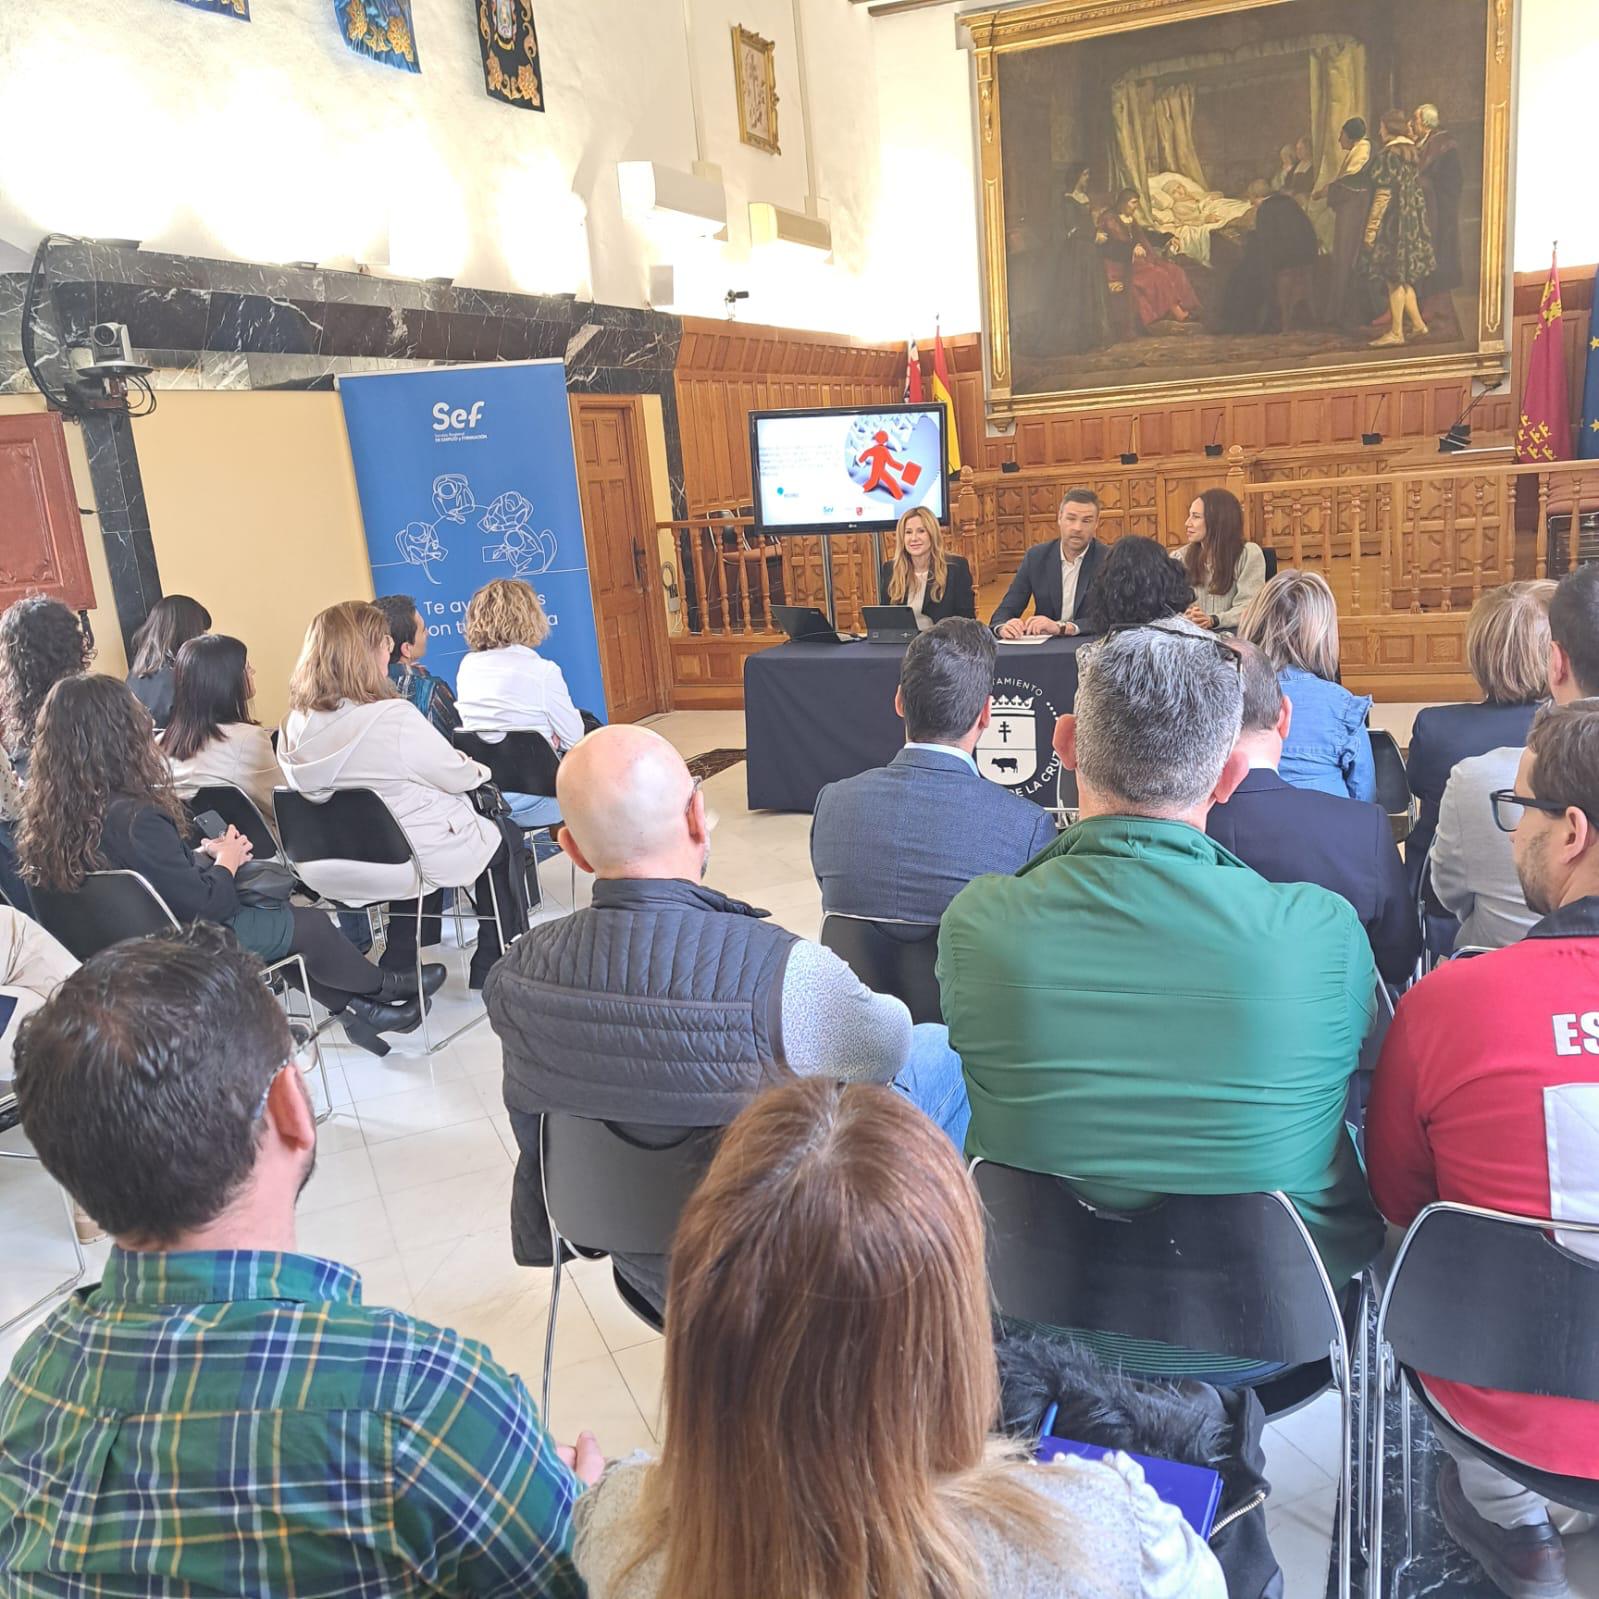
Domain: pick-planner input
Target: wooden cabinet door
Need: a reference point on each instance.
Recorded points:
(41, 536)
(621, 546)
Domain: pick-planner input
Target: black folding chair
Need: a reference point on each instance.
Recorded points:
(522, 762)
(110, 907)
(354, 827)
(1235, 1275)
(897, 958)
(1393, 783)
(237, 809)
(1065, 807)
(9, 1120)
(615, 1192)
(1479, 1297)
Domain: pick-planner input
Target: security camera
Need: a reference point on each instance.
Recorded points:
(111, 352)
(733, 296)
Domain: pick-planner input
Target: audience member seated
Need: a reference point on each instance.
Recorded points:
(32, 966)
(101, 798)
(1486, 1096)
(665, 1005)
(1507, 647)
(506, 686)
(922, 576)
(1136, 1008)
(1223, 567)
(1294, 619)
(1138, 582)
(831, 1390)
(347, 728)
(41, 642)
(899, 843)
(172, 622)
(211, 737)
(1471, 866)
(1056, 577)
(408, 643)
(1298, 835)
(221, 1414)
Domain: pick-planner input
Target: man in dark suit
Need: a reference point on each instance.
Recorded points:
(1055, 576)
(1298, 835)
(900, 842)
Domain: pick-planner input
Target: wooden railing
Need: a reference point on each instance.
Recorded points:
(732, 576)
(1428, 538)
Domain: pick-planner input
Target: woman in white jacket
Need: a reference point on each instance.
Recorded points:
(346, 728)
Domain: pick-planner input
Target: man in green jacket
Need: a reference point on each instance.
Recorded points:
(1138, 1009)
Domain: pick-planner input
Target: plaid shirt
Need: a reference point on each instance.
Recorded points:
(239, 1423)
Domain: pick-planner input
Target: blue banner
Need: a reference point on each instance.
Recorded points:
(466, 474)
(381, 29)
(1588, 440)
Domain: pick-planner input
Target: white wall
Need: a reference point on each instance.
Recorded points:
(273, 142)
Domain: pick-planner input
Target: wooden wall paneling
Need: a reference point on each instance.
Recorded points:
(41, 535)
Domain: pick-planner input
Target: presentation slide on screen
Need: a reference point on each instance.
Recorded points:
(816, 471)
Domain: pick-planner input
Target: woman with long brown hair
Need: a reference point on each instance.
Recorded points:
(831, 1393)
(174, 619)
(347, 728)
(1224, 569)
(100, 796)
(922, 576)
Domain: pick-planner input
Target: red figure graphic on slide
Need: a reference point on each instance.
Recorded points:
(879, 460)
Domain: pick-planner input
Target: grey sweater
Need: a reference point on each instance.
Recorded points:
(1120, 1541)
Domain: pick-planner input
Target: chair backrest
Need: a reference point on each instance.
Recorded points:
(897, 958)
(236, 808)
(1231, 1274)
(1371, 1045)
(1393, 782)
(351, 824)
(1479, 1297)
(105, 909)
(520, 763)
(622, 1191)
(1270, 556)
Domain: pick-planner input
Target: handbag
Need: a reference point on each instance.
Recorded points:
(263, 884)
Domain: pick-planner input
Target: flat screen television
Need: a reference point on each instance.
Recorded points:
(847, 469)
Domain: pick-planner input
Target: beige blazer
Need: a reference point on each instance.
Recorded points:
(241, 754)
(391, 748)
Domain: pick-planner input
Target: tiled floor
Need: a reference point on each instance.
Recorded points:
(414, 1176)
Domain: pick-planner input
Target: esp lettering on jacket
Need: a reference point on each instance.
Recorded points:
(1576, 1032)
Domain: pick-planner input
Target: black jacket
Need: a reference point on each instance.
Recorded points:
(956, 600)
(142, 839)
(1300, 835)
(1038, 579)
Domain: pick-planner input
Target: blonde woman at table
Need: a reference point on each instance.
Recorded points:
(922, 576)
(1224, 568)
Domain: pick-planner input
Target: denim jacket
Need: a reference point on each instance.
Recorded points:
(1328, 747)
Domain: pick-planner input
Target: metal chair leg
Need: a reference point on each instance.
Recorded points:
(421, 992)
(1340, 1363)
(315, 1028)
(1382, 1375)
(549, 1331)
(1405, 1478)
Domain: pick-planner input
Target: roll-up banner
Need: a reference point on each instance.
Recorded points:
(466, 474)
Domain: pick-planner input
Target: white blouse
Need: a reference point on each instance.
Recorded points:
(515, 690)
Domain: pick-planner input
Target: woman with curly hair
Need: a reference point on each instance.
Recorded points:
(101, 797)
(41, 642)
(1138, 582)
(172, 622)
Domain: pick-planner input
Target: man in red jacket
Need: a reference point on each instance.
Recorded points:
(1488, 1093)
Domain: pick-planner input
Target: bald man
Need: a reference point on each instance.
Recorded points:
(666, 1005)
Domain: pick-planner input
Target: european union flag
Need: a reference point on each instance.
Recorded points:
(1588, 439)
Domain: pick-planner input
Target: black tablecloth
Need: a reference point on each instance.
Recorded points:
(814, 713)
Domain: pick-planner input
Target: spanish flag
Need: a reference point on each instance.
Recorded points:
(944, 393)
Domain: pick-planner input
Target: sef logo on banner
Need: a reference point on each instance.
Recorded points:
(459, 419)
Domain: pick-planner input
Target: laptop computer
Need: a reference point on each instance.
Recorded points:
(889, 624)
(806, 624)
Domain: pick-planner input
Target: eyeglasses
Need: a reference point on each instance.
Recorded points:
(1509, 807)
(305, 1059)
(1221, 646)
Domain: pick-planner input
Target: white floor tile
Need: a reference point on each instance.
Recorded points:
(1303, 1547)
(592, 1396)
(643, 1367)
(340, 1178)
(420, 1110)
(1292, 1473)
(618, 1325)
(353, 1234)
(433, 1157)
(439, 1213)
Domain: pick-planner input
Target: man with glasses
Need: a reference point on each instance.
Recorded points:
(1470, 863)
(1139, 1010)
(1487, 1094)
(664, 1005)
(222, 1414)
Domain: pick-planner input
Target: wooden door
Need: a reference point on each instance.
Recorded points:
(620, 528)
(41, 536)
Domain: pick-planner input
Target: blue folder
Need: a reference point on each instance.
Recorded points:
(1194, 1490)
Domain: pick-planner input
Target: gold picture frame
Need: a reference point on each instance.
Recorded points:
(1006, 45)
(755, 88)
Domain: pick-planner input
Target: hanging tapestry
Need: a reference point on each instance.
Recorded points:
(380, 29)
(511, 52)
(228, 8)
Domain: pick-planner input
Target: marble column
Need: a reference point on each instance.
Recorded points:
(123, 517)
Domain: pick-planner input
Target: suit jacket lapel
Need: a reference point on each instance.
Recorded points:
(1049, 589)
(1092, 556)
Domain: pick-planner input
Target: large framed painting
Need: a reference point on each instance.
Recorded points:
(1184, 196)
